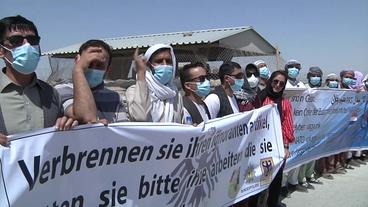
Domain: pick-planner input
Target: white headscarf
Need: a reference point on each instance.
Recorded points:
(162, 96)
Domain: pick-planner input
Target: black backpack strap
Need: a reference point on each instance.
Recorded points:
(193, 111)
(207, 111)
(2, 124)
(225, 107)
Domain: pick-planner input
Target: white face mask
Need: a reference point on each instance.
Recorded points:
(253, 81)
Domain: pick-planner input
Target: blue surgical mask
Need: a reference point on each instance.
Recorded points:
(347, 81)
(204, 88)
(94, 77)
(237, 85)
(293, 72)
(333, 84)
(264, 72)
(315, 81)
(163, 73)
(25, 58)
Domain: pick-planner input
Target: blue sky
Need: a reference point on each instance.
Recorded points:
(330, 34)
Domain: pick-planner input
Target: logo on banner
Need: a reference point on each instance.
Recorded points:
(234, 183)
(267, 166)
(249, 174)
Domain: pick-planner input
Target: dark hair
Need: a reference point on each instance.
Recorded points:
(15, 23)
(226, 69)
(185, 71)
(96, 43)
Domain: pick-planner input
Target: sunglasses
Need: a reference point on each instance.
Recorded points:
(249, 74)
(16, 40)
(238, 76)
(201, 78)
(278, 82)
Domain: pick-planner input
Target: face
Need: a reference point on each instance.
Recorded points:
(278, 83)
(162, 58)
(262, 65)
(236, 74)
(197, 75)
(348, 74)
(314, 74)
(16, 38)
(252, 71)
(102, 60)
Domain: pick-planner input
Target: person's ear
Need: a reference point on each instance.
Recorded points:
(187, 86)
(2, 52)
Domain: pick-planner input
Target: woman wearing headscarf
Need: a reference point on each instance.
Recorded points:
(154, 97)
(273, 93)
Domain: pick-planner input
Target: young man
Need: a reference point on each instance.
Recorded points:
(88, 100)
(154, 97)
(221, 101)
(26, 103)
(293, 67)
(196, 85)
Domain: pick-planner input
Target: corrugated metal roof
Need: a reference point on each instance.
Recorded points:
(174, 38)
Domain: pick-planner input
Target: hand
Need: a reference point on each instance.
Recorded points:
(4, 140)
(89, 56)
(102, 121)
(140, 65)
(287, 153)
(65, 123)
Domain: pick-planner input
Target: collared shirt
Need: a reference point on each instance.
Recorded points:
(109, 104)
(21, 106)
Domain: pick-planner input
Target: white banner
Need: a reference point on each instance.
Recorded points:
(144, 164)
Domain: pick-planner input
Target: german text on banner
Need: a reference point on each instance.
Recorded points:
(327, 122)
(144, 164)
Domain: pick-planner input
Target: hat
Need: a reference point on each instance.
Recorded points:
(332, 76)
(291, 62)
(315, 69)
(258, 62)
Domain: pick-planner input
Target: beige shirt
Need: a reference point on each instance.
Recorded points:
(139, 104)
(20, 106)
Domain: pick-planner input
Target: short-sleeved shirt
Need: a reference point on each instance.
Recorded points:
(109, 104)
(213, 103)
(21, 106)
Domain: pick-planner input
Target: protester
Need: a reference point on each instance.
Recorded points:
(293, 67)
(347, 79)
(332, 81)
(273, 93)
(290, 181)
(27, 103)
(196, 85)
(88, 100)
(314, 77)
(264, 73)
(252, 73)
(221, 101)
(155, 97)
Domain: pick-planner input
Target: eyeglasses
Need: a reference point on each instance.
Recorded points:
(278, 82)
(238, 76)
(16, 40)
(201, 78)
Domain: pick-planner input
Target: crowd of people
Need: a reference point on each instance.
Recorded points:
(27, 103)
